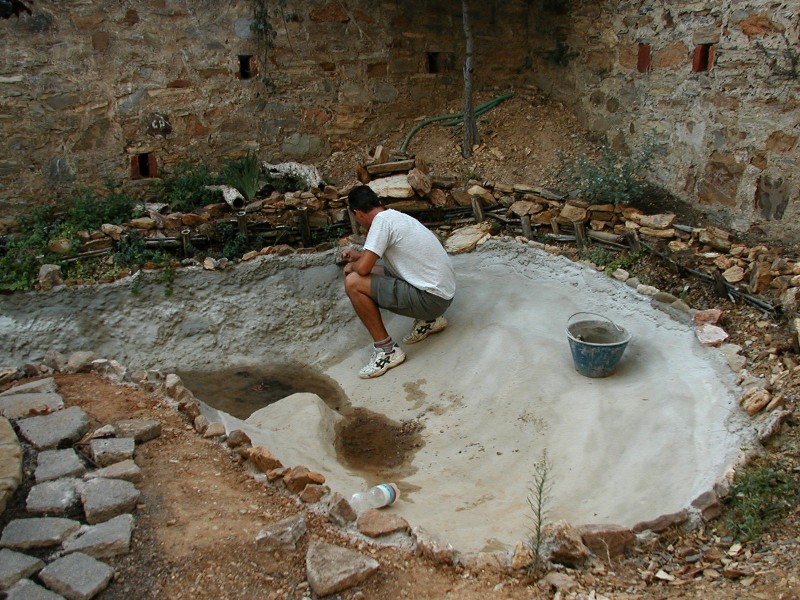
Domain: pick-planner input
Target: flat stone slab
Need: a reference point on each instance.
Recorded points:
(10, 462)
(60, 428)
(40, 386)
(332, 569)
(127, 470)
(25, 589)
(77, 576)
(105, 499)
(21, 406)
(106, 452)
(53, 497)
(15, 566)
(141, 430)
(106, 539)
(37, 532)
(54, 464)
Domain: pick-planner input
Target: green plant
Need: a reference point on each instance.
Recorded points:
(85, 211)
(23, 254)
(132, 251)
(758, 496)
(611, 178)
(538, 498)
(243, 174)
(185, 190)
(168, 278)
(597, 255)
(625, 260)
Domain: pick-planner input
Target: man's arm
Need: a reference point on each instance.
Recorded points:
(362, 265)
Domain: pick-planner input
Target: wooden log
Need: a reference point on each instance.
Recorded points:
(548, 193)
(554, 226)
(303, 224)
(527, 231)
(241, 221)
(604, 236)
(391, 167)
(580, 235)
(186, 242)
(477, 209)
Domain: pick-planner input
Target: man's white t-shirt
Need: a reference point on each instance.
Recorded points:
(412, 252)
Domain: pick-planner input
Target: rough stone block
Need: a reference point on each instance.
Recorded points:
(25, 589)
(141, 430)
(21, 406)
(106, 539)
(106, 452)
(40, 386)
(54, 464)
(54, 430)
(52, 497)
(77, 576)
(15, 566)
(40, 532)
(104, 499)
(126, 470)
(331, 569)
(283, 535)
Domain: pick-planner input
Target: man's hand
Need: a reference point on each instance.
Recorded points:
(350, 255)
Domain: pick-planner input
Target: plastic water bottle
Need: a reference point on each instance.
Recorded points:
(379, 496)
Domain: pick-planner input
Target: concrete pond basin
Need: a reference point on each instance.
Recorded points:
(273, 347)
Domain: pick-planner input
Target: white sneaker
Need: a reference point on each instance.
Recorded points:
(423, 329)
(382, 362)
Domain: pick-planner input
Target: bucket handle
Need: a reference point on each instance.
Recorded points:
(617, 327)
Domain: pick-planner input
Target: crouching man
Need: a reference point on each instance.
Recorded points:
(415, 280)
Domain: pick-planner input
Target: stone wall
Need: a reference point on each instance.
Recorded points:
(124, 91)
(714, 84)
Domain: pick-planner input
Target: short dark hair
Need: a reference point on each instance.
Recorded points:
(363, 198)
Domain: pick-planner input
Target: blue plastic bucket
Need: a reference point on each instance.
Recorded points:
(597, 344)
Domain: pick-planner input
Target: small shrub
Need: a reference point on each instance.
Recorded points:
(185, 191)
(243, 174)
(538, 498)
(597, 255)
(611, 178)
(86, 211)
(132, 251)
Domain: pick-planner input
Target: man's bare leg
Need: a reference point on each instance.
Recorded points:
(359, 290)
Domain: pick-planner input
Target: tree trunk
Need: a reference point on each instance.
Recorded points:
(470, 126)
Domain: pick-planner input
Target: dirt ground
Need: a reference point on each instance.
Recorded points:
(200, 510)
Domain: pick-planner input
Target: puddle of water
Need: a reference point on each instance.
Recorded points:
(241, 391)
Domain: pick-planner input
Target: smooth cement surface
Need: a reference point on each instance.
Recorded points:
(492, 392)
(498, 388)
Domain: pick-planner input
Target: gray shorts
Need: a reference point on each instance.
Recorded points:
(400, 297)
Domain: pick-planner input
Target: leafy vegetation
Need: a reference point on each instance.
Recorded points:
(760, 494)
(185, 190)
(86, 211)
(243, 174)
(611, 178)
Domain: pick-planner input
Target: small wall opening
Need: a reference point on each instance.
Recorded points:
(248, 66)
(144, 165)
(439, 62)
(643, 59)
(703, 58)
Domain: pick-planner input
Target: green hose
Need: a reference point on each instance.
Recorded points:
(453, 119)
